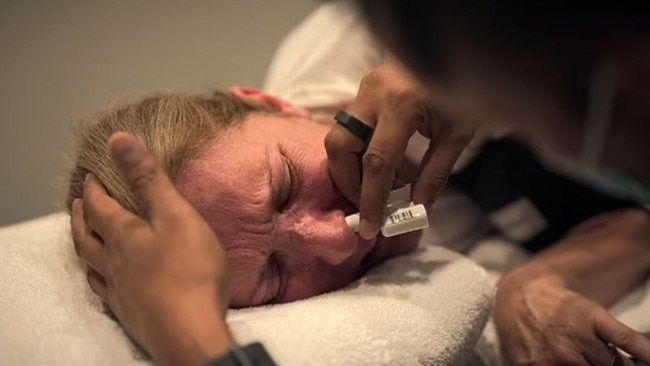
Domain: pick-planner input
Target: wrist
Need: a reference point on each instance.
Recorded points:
(195, 348)
(193, 339)
(516, 289)
(532, 273)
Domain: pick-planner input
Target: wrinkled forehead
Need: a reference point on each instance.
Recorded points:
(228, 183)
(231, 157)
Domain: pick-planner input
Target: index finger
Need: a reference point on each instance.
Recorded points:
(86, 245)
(101, 212)
(343, 149)
(380, 162)
(622, 336)
(437, 164)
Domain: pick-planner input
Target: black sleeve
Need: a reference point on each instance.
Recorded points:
(252, 355)
(507, 171)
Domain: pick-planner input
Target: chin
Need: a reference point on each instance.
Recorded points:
(387, 248)
(403, 244)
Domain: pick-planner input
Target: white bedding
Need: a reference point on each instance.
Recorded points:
(428, 308)
(49, 316)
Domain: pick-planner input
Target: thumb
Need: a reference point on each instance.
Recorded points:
(152, 189)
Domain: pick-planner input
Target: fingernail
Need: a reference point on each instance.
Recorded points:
(87, 178)
(128, 151)
(365, 230)
(76, 202)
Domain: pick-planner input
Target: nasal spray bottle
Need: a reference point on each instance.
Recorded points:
(402, 215)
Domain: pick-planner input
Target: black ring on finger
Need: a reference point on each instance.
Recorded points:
(355, 126)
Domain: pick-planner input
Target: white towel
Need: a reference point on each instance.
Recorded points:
(424, 309)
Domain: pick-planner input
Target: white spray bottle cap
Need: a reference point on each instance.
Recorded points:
(401, 220)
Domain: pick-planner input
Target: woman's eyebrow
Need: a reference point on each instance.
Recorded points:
(273, 184)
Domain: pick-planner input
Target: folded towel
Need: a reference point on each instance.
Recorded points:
(424, 309)
(428, 308)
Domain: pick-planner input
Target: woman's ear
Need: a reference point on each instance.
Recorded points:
(257, 98)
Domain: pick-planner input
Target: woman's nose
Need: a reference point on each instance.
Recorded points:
(322, 235)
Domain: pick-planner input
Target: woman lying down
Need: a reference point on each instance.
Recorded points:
(255, 168)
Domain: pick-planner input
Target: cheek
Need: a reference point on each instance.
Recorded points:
(318, 280)
(231, 213)
(402, 244)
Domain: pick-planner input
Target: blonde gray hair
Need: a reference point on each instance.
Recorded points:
(172, 126)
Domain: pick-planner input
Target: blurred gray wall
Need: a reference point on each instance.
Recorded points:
(62, 59)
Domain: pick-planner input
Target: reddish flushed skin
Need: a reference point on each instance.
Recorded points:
(279, 250)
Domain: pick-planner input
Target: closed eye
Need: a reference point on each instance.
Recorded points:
(277, 278)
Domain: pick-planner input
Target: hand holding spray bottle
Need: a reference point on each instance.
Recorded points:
(402, 215)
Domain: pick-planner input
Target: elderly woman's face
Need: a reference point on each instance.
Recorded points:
(265, 189)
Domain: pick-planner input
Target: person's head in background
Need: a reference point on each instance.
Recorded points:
(255, 168)
(539, 65)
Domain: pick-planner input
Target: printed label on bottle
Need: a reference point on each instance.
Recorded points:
(400, 216)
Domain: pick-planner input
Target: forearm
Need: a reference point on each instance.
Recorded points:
(603, 259)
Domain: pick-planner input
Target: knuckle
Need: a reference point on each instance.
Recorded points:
(125, 232)
(334, 145)
(625, 337)
(112, 219)
(372, 80)
(143, 177)
(436, 182)
(459, 137)
(402, 95)
(341, 143)
(134, 225)
(375, 163)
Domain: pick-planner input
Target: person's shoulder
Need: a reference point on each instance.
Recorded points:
(321, 61)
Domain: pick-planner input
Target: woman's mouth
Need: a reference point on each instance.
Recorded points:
(376, 250)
